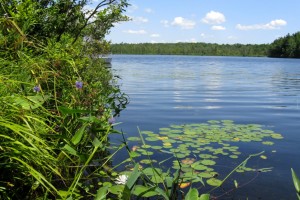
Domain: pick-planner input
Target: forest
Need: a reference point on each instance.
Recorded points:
(201, 49)
(284, 47)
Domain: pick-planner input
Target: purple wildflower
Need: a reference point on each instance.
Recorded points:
(36, 88)
(79, 84)
(111, 120)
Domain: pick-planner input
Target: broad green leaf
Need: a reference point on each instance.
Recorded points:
(101, 193)
(192, 194)
(296, 180)
(126, 193)
(116, 189)
(162, 193)
(214, 182)
(143, 191)
(70, 150)
(78, 135)
(204, 197)
(208, 162)
(30, 102)
(133, 177)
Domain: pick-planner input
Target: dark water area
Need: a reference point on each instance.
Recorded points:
(167, 90)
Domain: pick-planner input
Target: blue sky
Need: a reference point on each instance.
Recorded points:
(210, 21)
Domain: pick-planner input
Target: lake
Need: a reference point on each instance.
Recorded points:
(167, 90)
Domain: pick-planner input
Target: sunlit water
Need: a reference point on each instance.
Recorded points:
(167, 90)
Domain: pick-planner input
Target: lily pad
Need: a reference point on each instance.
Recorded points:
(205, 142)
(208, 162)
(133, 139)
(214, 182)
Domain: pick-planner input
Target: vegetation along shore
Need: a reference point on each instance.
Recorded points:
(284, 47)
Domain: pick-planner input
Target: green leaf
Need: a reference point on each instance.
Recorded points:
(162, 193)
(116, 189)
(204, 197)
(126, 193)
(236, 184)
(296, 181)
(133, 176)
(143, 191)
(192, 194)
(214, 182)
(101, 193)
(78, 135)
(208, 162)
(133, 139)
(30, 102)
(97, 143)
(70, 150)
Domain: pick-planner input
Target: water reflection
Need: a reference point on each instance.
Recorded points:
(176, 90)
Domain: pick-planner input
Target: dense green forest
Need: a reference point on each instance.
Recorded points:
(203, 49)
(284, 47)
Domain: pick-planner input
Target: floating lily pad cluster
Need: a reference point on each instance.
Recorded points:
(196, 147)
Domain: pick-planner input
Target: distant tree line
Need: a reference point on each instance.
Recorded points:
(286, 47)
(202, 49)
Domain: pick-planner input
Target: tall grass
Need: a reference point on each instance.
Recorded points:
(53, 132)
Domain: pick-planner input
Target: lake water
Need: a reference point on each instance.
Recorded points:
(167, 90)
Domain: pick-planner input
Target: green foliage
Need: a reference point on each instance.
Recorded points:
(57, 98)
(286, 47)
(202, 49)
(296, 182)
(154, 182)
(197, 148)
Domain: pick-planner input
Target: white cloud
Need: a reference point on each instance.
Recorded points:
(218, 28)
(183, 23)
(148, 10)
(155, 35)
(275, 24)
(139, 32)
(139, 20)
(214, 17)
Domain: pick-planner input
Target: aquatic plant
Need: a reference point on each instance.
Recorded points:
(194, 150)
(296, 182)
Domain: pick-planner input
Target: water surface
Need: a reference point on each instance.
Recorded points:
(166, 90)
